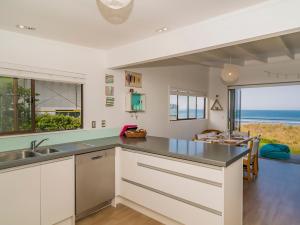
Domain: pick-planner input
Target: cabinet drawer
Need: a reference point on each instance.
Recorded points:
(202, 171)
(167, 206)
(139, 168)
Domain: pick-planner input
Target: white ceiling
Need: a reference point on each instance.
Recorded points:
(257, 52)
(79, 21)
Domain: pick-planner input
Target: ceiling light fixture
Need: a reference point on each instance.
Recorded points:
(163, 29)
(20, 26)
(116, 4)
(115, 11)
(230, 74)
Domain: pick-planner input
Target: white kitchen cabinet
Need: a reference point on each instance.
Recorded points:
(189, 193)
(20, 196)
(38, 194)
(57, 192)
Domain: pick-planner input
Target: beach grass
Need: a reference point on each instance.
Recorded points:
(276, 133)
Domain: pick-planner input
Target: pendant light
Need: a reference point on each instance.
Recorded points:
(115, 11)
(230, 73)
(115, 4)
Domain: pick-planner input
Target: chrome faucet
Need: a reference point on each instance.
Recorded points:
(34, 145)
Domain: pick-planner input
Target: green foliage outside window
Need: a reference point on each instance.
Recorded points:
(47, 122)
(21, 111)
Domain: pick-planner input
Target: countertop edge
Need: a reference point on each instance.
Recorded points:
(62, 154)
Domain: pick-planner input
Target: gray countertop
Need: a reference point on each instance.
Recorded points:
(201, 152)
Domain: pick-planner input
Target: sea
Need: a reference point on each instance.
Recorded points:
(291, 117)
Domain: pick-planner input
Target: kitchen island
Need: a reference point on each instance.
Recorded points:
(174, 181)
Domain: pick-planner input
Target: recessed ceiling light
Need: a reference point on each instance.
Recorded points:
(163, 29)
(20, 26)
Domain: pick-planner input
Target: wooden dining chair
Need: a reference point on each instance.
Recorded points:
(247, 161)
(250, 161)
(254, 162)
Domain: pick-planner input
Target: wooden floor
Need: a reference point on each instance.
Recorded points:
(272, 199)
(121, 215)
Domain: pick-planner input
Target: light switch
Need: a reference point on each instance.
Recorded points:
(93, 124)
(103, 123)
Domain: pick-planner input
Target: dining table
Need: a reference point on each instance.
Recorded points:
(236, 140)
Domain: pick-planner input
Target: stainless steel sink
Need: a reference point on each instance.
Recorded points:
(24, 154)
(46, 150)
(15, 155)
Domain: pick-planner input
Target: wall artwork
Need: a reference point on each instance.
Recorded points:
(109, 79)
(217, 105)
(133, 79)
(109, 91)
(110, 101)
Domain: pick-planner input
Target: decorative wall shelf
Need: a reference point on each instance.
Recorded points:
(135, 102)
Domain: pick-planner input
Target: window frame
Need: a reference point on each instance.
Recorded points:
(33, 113)
(188, 108)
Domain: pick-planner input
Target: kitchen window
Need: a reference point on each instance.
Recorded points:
(28, 106)
(186, 105)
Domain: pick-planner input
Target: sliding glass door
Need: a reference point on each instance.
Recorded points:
(234, 109)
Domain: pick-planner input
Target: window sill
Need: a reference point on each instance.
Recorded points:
(188, 120)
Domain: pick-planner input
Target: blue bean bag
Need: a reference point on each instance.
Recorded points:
(275, 151)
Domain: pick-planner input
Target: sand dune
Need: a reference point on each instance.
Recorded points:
(276, 133)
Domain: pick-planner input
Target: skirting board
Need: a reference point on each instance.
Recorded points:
(145, 211)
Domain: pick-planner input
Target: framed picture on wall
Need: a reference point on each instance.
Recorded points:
(133, 79)
(109, 91)
(110, 101)
(109, 79)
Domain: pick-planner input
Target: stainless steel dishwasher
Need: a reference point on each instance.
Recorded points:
(95, 181)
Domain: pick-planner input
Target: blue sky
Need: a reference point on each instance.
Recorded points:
(278, 97)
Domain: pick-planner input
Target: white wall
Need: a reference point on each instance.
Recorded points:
(251, 74)
(217, 119)
(156, 82)
(35, 52)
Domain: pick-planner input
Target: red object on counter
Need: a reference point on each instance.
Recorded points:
(127, 127)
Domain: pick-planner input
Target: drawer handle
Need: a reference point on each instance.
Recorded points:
(202, 207)
(198, 179)
(97, 157)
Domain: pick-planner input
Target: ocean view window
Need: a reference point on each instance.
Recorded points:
(192, 107)
(201, 102)
(184, 106)
(270, 111)
(28, 106)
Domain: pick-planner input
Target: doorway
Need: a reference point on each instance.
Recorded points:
(272, 111)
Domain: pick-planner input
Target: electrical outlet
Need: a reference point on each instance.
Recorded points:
(103, 123)
(93, 124)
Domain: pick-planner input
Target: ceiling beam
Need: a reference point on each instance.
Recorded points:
(223, 59)
(196, 60)
(252, 54)
(288, 51)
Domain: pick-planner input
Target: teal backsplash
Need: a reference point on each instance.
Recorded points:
(23, 141)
